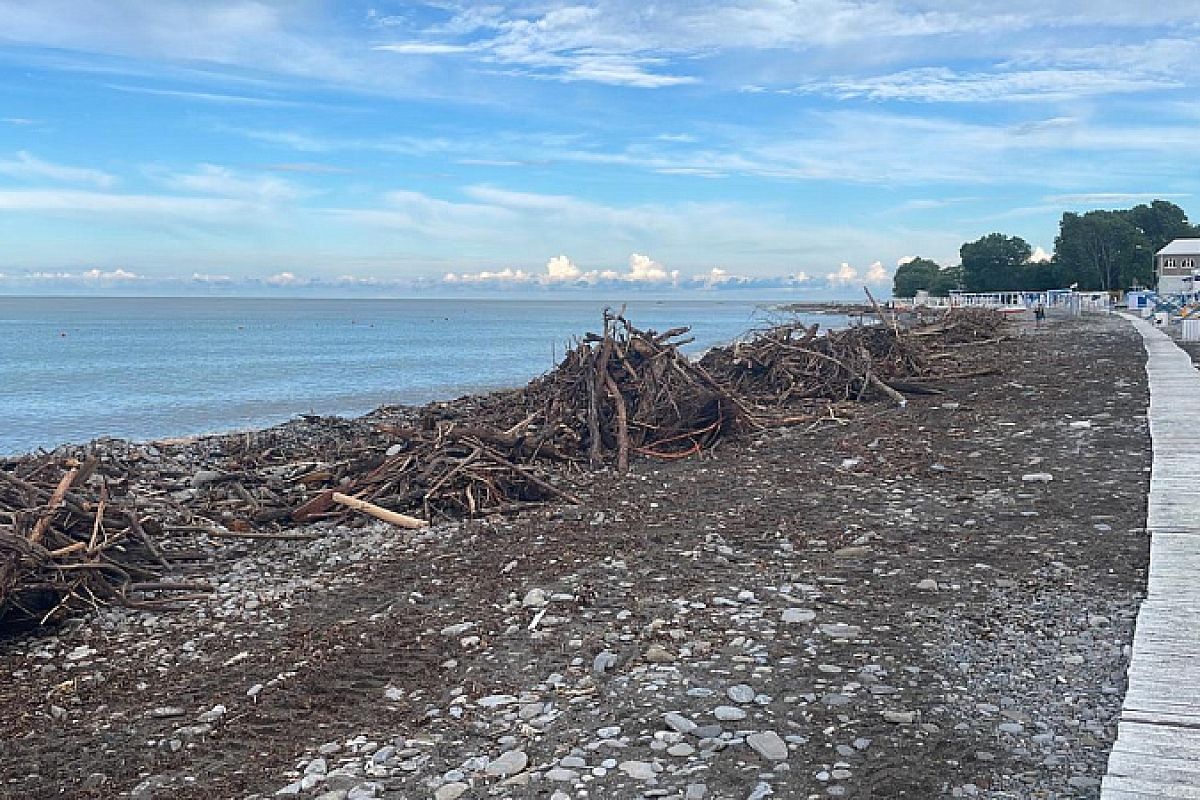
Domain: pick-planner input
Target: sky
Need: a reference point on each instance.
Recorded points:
(798, 146)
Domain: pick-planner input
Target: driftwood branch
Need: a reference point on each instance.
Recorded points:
(393, 517)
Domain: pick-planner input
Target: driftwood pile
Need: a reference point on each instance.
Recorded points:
(791, 363)
(632, 391)
(961, 326)
(102, 523)
(71, 536)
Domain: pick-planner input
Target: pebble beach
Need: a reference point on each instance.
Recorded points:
(933, 601)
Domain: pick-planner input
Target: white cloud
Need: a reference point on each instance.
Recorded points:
(643, 269)
(112, 275)
(224, 182)
(842, 276)
(506, 275)
(283, 279)
(423, 48)
(263, 35)
(1040, 256)
(210, 97)
(26, 167)
(1110, 198)
(204, 278)
(20, 121)
(89, 277)
(944, 85)
(846, 275)
(714, 277)
(102, 203)
(560, 270)
(620, 71)
(900, 262)
(877, 273)
(745, 239)
(432, 217)
(358, 280)
(616, 42)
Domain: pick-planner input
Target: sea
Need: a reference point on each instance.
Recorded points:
(73, 369)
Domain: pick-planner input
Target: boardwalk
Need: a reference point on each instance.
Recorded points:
(1157, 752)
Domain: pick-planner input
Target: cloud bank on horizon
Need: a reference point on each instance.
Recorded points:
(761, 144)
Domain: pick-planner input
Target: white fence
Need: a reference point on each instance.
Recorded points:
(1191, 330)
(1075, 302)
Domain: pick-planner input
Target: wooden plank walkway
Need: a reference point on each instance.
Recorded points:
(1157, 752)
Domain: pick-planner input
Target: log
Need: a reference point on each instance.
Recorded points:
(378, 512)
(622, 423)
(899, 399)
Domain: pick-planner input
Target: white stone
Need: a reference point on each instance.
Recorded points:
(509, 763)
(840, 630)
(496, 700)
(451, 791)
(729, 713)
(769, 745)
(639, 770)
(741, 693)
(678, 722)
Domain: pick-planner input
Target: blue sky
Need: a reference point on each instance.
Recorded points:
(803, 145)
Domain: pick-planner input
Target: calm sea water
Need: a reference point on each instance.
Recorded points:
(73, 369)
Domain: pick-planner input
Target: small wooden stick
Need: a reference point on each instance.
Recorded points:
(516, 430)
(66, 551)
(400, 520)
(140, 532)
(98, 525)
(56, 499)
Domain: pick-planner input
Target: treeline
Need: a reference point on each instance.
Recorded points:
(1098, 251)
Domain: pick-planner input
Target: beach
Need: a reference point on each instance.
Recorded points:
(928, 601)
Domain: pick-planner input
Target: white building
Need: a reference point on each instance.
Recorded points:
(1176, 264)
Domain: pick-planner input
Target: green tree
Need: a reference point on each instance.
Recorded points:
(1161, 222)
(1115, 249)
(994, 263)
(912, 277)
(1103, 250)
(1038, 276)
(947, 278)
